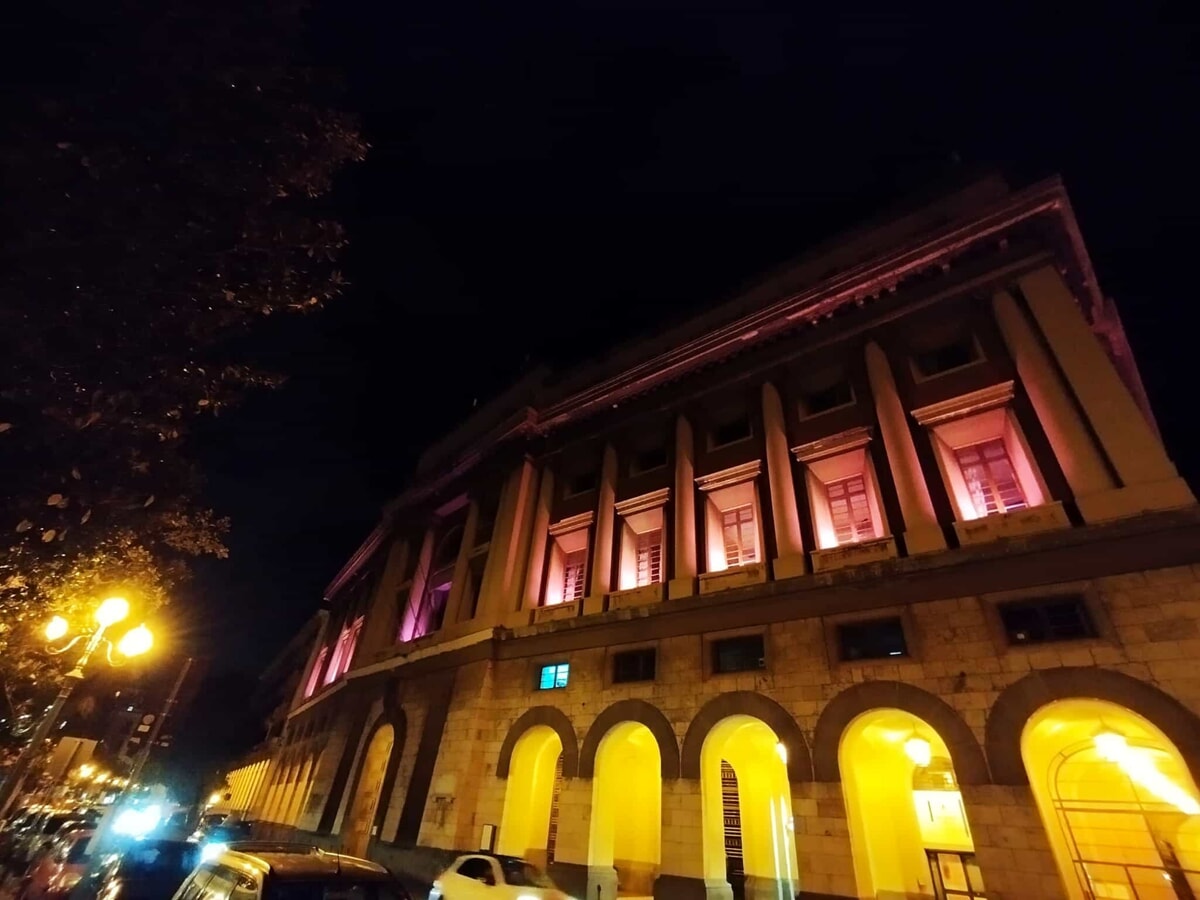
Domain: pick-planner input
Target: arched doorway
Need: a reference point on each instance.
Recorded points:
(908, 826)
(528, 826)
(746, 807)
(1118, 802)
(360, 817)
(626, 829)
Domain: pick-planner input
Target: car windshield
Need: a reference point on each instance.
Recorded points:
(519, 873)
(78, 850)
(158, 859)
(335, 889)
(54, 823)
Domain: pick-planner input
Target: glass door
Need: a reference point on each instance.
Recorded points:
(955, 875)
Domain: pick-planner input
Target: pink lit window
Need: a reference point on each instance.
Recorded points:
(574, 564)
(991, 480)
(850, 510)
(314, 677)
(741, 541)
(343, 650)
(649, 557)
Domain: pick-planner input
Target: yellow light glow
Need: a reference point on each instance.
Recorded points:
(213, 799)
(87, 770)
(918, 750)
(136, 642)
(112, 611)
(56, 628)
(781, 750)
(1137, 764)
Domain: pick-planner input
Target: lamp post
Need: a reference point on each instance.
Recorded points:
(134, 642)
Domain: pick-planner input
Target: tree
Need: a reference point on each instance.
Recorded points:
(164, 185)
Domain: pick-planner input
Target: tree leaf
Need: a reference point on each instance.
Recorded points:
(87, 515)
(75, 473)
(48, 535)
(54, 499)
(149, 500)
(24, 525)
(5, 426)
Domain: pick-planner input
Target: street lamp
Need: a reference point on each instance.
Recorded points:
(135, 642)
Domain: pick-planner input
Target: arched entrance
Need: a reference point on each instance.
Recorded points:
(746, 807)
(626, 830)
(360, 817)
(908, 826)
(529, 825)
(1118, 802)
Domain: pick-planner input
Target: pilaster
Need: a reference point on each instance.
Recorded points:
(684, 582)
(784, 514)
(602, 540)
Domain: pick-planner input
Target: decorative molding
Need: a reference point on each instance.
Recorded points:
(841, 442)
(635, 505)
(557, 611)
(734, 577)
(638, 596)
(729, 477)
(574, 523)
(965, 404)
(857, 554)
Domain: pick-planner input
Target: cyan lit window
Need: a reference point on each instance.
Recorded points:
(554, 676)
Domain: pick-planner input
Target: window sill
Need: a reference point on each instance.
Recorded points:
(854, 554)
(736, 577)
(638, 596)
(557, 611)
(1036, 519)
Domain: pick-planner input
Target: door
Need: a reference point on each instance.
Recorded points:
(956, 875)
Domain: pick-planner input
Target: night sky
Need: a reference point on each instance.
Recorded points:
(546, 179)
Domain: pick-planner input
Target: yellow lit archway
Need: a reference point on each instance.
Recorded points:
(527, 825)
(365, 803)
(746, 807)
(908, 826)
(1119, 805)
(626, 830)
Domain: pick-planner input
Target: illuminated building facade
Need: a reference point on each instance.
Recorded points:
(875, 582)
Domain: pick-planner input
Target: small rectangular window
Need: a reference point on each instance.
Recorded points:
(555, 675)
(634, 665)
(838, 395)
(648, 461)
(850, 510)
(581, 484)
(649, 557)
(1046, 619)
(739, 654)
(740, 535)
(730, 432)
(574, 564)
(876, 639)
(946, 358)
(990, 477)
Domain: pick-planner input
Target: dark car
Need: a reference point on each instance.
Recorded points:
(289, 872)
(147, 870)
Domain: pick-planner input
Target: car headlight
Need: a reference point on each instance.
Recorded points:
(211, 851)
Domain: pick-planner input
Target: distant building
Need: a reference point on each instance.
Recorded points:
(875, 582)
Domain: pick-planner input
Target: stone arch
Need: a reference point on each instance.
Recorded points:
(631, 711)
(1021, 699)
(746, 703)
(552, 717)
(394, 716)
(970, 765)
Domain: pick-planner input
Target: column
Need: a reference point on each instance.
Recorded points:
(602, 544)
(458, 584)
(500, 591)
(1073, 446)
(313, 652)
(408, 618)
(784, 514)
(684, 582)
(537, 545)
(379, 633)
(1128, 440)
(681, 868)
(922, 534)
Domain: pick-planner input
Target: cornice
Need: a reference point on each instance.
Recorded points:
(965, 404)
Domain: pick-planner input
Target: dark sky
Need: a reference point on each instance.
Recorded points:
(547, 178)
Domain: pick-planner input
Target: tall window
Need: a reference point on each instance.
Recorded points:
(741, 539)
(343, 650)
(574, 564)
(314, 677)
(649, 557)
(850, 510)
(991, 480)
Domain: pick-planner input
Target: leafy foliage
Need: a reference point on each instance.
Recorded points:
(163, 184)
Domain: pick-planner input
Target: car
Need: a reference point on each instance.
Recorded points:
(492, 876)
(253, 870)
(147, 870)
(54, 873)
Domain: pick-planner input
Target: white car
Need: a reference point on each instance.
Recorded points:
(486, 876)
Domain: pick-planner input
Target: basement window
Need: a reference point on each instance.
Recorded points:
(634, 665)
(876, 639)
(1042, 620)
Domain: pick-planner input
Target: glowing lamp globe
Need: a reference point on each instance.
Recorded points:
(56, 628)
(112, 611)
(136, 642)
(918, 750)
(1111, 746)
